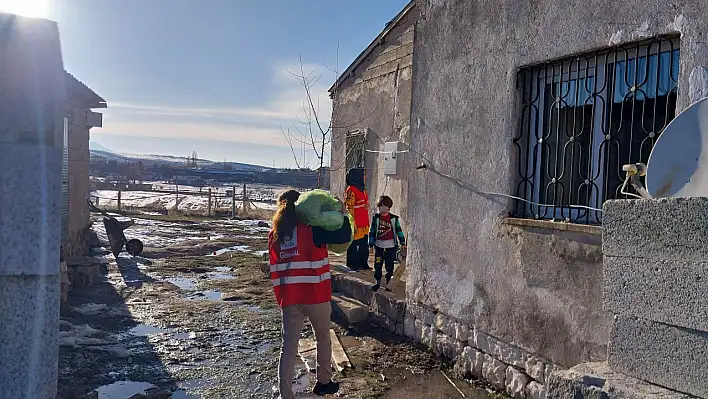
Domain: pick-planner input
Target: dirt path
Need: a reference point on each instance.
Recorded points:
(190, 318)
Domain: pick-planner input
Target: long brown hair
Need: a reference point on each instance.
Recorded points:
(285, 219)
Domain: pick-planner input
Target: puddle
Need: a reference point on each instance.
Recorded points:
(207, 295)
(181, 395)
(220, 276)
(143, 330)
(184, 283)
(349, 341)
(222, 269)
(122, 389)
(432, 385)
(184, 335)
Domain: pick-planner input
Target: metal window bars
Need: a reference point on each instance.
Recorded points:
(585, 116)
(355, 148)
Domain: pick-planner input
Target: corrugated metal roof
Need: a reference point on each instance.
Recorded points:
(77, 90)
(358, 60)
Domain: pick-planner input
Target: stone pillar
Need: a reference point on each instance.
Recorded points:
(31, 139)
(656, 284)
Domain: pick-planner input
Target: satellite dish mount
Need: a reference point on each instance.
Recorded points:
(633, 173)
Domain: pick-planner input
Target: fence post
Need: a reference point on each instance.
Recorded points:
(233, 202)
(119, 207)
(209, 205)
(245, 198)
(176, 196)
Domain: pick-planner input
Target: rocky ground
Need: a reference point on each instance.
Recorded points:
(194, 317)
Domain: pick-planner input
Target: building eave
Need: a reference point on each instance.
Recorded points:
(78, 91)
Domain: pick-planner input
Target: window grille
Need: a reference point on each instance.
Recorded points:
(584, 117)
(356, 149)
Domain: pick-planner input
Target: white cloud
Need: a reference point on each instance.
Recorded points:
(207, 131)
(285, 109)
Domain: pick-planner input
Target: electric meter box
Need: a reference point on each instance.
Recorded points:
(391, 155)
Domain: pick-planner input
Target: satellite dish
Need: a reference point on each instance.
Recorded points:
(678, 164)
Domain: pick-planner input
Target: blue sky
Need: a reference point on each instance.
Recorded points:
(210, 75)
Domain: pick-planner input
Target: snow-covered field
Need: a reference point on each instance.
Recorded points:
(160, 234)
(152, 201)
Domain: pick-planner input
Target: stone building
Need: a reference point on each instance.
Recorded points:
(522, 114)
(371, 107)
(78, 121)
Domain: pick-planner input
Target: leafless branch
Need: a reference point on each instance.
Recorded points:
(290, 144)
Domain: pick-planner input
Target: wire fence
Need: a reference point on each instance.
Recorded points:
(192, 201)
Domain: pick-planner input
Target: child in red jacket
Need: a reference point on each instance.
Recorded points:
(385, 237)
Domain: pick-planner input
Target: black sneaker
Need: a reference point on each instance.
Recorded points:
(329, 388)
(375, 287)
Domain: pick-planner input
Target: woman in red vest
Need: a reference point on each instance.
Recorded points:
(357, 200)
(299, 271)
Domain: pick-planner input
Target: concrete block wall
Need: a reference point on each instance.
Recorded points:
(376, 96)
(78, 149)
(31, 136)
(656, 285)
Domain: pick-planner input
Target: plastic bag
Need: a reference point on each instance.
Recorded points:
(319, 208)
(341, 249)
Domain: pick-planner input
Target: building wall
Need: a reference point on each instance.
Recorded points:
(79, 216)
(530, 285)
(378, 98)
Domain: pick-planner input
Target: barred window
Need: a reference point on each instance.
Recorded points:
(584, 117)
(355, 148)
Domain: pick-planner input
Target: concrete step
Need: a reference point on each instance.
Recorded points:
(672, 357)
(351, 286)
(598, 380)
(349, 311)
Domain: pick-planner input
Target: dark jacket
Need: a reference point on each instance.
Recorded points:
(398, 236)
(342, 236)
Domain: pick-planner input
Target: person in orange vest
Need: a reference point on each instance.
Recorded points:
(299, 271)
(357, 200)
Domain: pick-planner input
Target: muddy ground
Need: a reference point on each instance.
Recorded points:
(194, 317)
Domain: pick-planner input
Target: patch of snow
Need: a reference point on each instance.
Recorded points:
(237, 248)
(90, 309)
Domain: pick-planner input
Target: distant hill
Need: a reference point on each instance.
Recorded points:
(152, 159)
(95, 146)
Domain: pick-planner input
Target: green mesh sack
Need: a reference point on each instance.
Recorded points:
(319, 208)
(341, 249)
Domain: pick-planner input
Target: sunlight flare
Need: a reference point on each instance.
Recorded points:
(26, 8)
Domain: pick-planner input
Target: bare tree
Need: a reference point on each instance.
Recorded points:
(314, 132)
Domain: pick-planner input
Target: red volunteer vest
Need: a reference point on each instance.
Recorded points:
(361, 207)
(299, 270)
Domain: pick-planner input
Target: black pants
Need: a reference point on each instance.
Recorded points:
(384, 256)
(358, 254)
